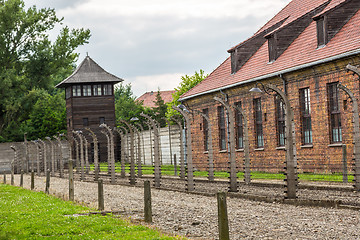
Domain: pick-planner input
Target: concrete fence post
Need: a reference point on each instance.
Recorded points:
(100, 195)
(157, 164)
(182, 160)
(71, 181)
(190, 170)
(223, 223)
(147, 202)
(344, 162)
(122, 147)
(4, 178)
(231, 145)
(96, 154)
(132, 158)
(111, 155)
(12, 177)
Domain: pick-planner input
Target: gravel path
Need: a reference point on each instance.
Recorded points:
(195, 216)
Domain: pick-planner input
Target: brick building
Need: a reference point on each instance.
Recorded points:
(304, 50)
(149, 98)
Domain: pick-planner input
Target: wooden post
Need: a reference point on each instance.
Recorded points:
(344, 161)
(147, 202)
(4, 178)
(47, 185)
(101, 194)
(222, 217)
(22, 178)
(71, 181)
(12, 177)
(32, 180)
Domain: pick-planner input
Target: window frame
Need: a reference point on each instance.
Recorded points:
(335, 127)
(205, 130)
(258, 123)
(96, 89)
(107, 90)
(305, 114)
(239, 127)
(222, 127)
(280, 121)
(76, 90)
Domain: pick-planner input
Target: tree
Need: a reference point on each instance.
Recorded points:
(160, 110)
(29, 60)
(126, 105)
(187, 83)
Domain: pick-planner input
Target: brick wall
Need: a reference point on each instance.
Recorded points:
(322, 156)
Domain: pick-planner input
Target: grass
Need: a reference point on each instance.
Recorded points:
(169, 170)
(34, 215)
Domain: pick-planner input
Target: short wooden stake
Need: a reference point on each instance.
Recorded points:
(147, 202)
(71, 181)
(101, 194)
(4, 178)
(47, 185)
(222, 217)
(12, 178)
(22, 178)
(32, 180)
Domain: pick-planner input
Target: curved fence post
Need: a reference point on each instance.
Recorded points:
(231, 144)
(247, 171)
(157, 165)
(190, 169)
(132, 160)
(96, 153)
(182, 158)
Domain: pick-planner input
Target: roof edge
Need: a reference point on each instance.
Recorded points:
(306, 65)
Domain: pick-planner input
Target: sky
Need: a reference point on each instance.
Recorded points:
(152, 43)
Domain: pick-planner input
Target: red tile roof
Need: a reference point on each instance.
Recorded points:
(302, 51)
(149, 98)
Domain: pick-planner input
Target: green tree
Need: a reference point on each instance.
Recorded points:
(126, 105)
(160, 110)
(187, 83)
(29, 60)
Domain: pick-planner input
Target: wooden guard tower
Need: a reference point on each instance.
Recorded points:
(90, 101)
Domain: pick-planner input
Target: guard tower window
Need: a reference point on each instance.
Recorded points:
(87, 90)
(97, 90)
(107, 89)
(76, 90)
(68, 92)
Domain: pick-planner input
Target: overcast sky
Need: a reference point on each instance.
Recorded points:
(152, 43)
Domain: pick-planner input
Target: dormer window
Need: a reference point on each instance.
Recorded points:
(322, 33)
(272, 42)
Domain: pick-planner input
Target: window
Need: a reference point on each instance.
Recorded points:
(107, 89)
(85, 122)
(97, 90)
(280, 121)
(321, 29)
(334, 112)
(272, 45)
(222, 128)
(306, 132)
(239, 130)
(87, 90)
(76, 90)
(206, 130)
(68, 92)
(258, 123)
(102, 120)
